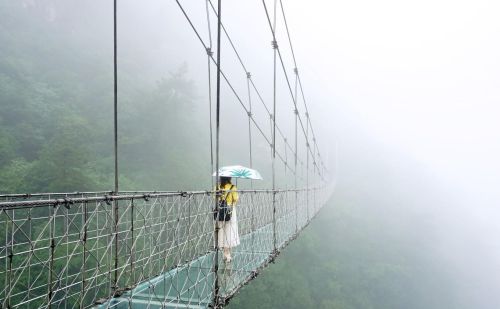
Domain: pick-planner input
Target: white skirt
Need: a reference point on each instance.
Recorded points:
(228, 232)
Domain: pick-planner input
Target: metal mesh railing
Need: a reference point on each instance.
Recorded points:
(138, 250)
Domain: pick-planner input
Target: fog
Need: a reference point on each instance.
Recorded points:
(419, 83)
(413, 87)
(404, 98)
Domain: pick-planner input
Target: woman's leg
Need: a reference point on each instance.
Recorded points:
(227, 254)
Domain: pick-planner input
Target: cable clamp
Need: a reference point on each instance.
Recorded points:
(296, 71)
(67, 202)
(249, 114)
(296, 111)
(107, 199)
(249, 75)
(274, 43)
(209, 51)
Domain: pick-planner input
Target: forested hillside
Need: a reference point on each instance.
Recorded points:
(56, 103)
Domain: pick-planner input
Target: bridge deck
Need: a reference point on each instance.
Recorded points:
(191, 285)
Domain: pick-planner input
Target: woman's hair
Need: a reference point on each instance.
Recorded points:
(225, 180)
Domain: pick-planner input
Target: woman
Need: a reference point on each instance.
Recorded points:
(228, 230)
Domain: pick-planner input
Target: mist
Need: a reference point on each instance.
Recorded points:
(404, 100)
(412, 90)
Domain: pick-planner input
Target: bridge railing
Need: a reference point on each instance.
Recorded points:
(81, 249)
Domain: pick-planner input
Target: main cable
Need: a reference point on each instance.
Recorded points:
(295, 63)
(247, 72)
(228, 82)
(287, 79)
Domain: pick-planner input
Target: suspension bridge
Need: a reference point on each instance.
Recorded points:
(159, 249)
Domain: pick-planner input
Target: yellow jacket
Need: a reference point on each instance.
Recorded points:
(230, 195)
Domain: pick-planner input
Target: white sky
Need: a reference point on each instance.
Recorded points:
(422, 75)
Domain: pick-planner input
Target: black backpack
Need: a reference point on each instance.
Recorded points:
(225, 210)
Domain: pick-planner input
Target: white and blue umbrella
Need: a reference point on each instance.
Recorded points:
(238, 171)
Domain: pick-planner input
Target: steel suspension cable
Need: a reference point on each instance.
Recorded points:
(296, 150)
(295, 63)
(217, 180)
(209, 54)
(275, 47)
(115, 131)
(227, 80)
(247, 72)
(286, 74)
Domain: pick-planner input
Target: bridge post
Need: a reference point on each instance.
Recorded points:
(50, 291)
(115, 116)
(295, 70)
(216, 302)
(314, 175)
(84, 253)
(10, 256)
(275, 49)
(307, 167)
(252, 210)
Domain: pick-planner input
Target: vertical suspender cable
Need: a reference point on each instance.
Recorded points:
(314, 174)
(249, 122)
(307, 170)
(252, 208)
(115, 116)
(296, 149)
(210, 113)
(216, 301)
(115, 94)
(275, 47)
(209, 56)
(84, 254)
(52, 228)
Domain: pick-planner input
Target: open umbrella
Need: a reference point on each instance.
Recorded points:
(238, 171)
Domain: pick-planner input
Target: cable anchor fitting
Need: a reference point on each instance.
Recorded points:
(274, 43)
(108, 199)
(68, 202)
